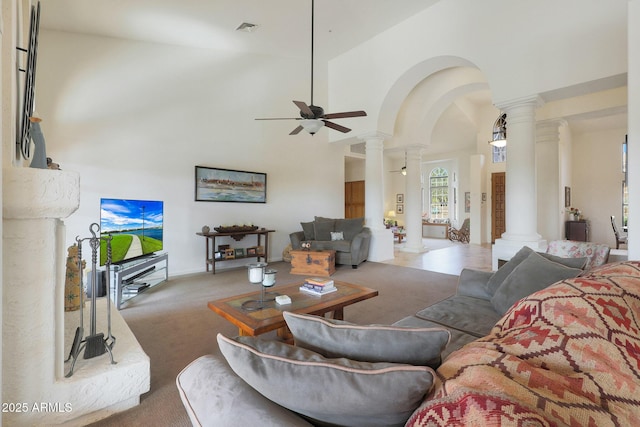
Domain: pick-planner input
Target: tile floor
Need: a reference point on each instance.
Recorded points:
(444, 256)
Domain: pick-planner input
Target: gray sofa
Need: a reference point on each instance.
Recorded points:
(347, 236)
(213, 394)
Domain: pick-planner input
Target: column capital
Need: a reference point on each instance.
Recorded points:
(551, 123)
(507, 105)
(413, 148)
(549, 130)
(374, 134)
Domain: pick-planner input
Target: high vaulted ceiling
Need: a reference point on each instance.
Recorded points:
(283, 29)
(284, 26)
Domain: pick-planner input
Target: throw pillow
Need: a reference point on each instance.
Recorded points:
(308, 230)
(498, 277)
(328, 391)
(350, 227)
(368, 343)
(337, 235)
(580, 263)
(323, 229)
(531, 275)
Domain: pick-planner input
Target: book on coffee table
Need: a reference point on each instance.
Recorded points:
(318, 284)
(311, 291)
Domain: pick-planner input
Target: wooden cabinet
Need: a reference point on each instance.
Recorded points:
(354, 199)
(577, 230)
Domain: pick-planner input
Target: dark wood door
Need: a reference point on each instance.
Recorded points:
(498, 205)
(354, 199)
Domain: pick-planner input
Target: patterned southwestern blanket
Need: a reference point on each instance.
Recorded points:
(568, 355)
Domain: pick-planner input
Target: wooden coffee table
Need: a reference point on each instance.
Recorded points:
(270, 318)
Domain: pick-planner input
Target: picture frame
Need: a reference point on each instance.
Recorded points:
(239, 252)
(400, 198)
(400, 208)
(219, 255)
(229, 185)
(253, 251)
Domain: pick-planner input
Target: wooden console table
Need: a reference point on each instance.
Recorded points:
(210, 258)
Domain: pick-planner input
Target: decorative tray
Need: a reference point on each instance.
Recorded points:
(235, 228)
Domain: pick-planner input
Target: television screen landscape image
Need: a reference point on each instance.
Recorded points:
(134, 225)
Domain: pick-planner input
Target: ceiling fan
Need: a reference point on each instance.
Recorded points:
(313, 117)
(403, 170)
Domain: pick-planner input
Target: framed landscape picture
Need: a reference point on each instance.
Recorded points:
(228, 185)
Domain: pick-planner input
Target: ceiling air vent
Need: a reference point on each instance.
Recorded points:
(247, 27)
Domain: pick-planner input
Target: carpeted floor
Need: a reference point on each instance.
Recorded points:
(174, 325)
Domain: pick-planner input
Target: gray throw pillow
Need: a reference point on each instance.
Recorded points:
(308, 230)
(580, 263)
(498, 277)
(323, 229)
(349, 226)
(531, 275)
(368, 343)
(328, 391)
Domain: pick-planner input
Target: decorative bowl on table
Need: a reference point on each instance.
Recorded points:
(235, 228)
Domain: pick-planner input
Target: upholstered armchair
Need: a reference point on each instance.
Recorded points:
(596, 254)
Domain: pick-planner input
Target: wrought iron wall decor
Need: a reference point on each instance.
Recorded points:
(23, 141)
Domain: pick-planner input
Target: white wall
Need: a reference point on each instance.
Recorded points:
(597, 180)
(532, 51)
(133, 119)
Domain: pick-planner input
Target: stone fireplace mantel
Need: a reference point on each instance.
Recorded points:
(33, 335)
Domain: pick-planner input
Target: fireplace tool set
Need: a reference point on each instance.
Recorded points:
(95, 344)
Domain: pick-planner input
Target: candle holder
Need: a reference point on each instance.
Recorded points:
(257, 274)
(268, 281)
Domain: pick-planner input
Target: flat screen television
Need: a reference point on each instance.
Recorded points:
(135, 227)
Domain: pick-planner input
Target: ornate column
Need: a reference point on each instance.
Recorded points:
(412, 202)
(550, 198)
(381, 247)
(521, 203)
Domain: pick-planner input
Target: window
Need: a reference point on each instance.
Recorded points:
(499, 154)
(439, 194)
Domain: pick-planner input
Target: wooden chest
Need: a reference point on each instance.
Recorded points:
(313, 263)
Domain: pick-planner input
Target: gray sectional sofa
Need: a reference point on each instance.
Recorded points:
(214, 394)
(483, 297)
(347, 236)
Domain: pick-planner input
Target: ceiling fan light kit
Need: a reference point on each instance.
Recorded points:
(312, 125)
(312, 117)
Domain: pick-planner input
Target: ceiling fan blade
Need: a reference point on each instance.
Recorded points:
(304, 108)
(281, 118)
(336, 126)
(345, 114)
(296, 130)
